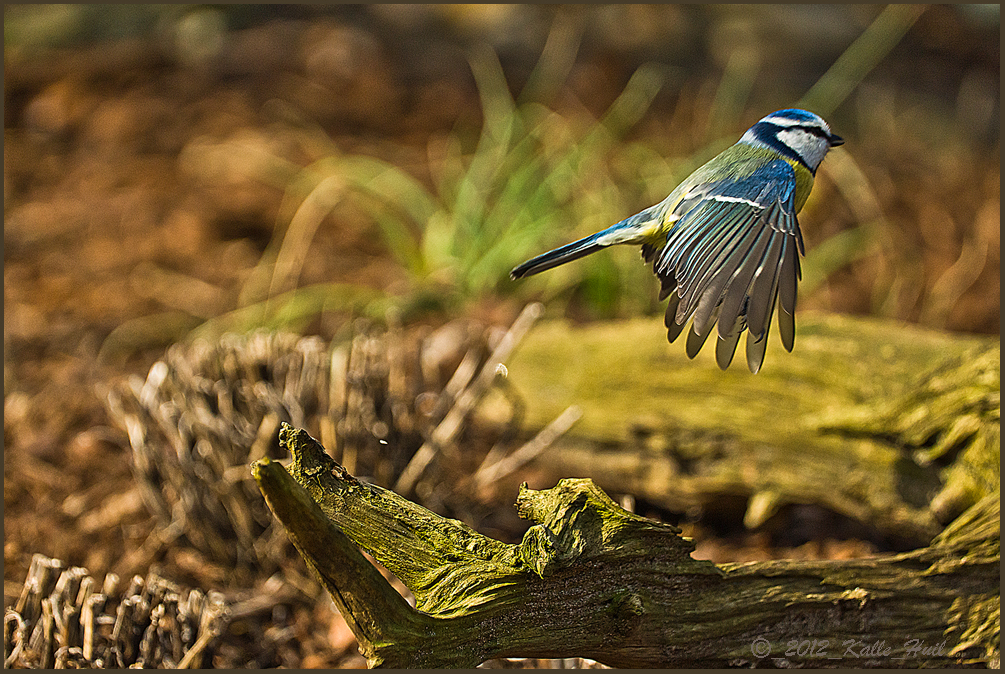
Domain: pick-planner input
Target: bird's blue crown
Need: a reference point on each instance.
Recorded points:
(796, 134)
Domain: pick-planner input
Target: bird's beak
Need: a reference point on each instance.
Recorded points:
(835, 140)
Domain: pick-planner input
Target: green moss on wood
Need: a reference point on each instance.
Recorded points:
(592, 580)
(889, 424)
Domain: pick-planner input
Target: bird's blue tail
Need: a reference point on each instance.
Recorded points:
(553, 258)
(620, 232)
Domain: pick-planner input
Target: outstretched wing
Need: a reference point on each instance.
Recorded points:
(733, 249)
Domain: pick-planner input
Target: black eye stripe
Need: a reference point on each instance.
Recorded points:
(814, 130)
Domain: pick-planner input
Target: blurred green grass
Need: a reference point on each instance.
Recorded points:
(537, 178)
(532, 175)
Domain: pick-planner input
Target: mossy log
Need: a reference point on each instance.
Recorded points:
(891, 425)
(590, 579)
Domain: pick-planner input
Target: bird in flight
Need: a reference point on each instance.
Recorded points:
(725, 244)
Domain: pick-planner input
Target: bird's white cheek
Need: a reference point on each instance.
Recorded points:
(811, 148)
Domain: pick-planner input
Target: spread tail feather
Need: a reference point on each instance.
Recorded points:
(553, 258)
(627, 231)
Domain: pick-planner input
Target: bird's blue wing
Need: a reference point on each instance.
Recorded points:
(732, 251)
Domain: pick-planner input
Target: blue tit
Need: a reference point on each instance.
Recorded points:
(724, 243)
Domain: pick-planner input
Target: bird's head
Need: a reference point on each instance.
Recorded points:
(798, 134)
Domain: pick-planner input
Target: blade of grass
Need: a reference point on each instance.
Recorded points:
(861, 57)
(498, 127)
(303, 226)
(733, 91)
(556, 62)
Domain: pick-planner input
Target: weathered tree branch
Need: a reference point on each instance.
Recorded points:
(590, 579)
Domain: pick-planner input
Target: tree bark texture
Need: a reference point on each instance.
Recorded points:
(593, 580)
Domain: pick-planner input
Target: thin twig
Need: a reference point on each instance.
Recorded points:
(213, 621)
(562, 423)
(448, 428)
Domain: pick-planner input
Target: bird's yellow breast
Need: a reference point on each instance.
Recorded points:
(804, 183)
